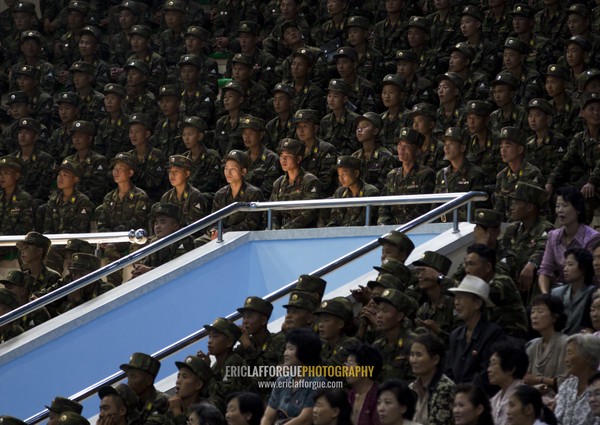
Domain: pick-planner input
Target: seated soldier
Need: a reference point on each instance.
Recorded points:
(335, 328)
(280, 127)
(33, 251)
(16, 205)
(255, 101)
(40, 102)
(140, 38)
(362, 97)
(508, 113)
(255, 337)
(139, 98)
(61, 405)
(228, 134)
(92, 101)
(20, 284)
(197, 99)
(352, 185)
(431, 153)
(17, 105)
(195, 39)
(337, 127)
(8, 302)
(60, 144)
(396, 115)
(111, 134)
(396, 245)
(89, 46)
(117, 405)
(451, 112)
(194, 380)
(167, 133)
(171, 44)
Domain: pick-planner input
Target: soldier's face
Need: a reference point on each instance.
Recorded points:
(232, 100)
(416, 37)
(81, 80)
(405, 68)
(173, 19)
(299, 67)
(388, 317)
(18, 110)
(218, 343)
(288, 9)
(291, 36)
(297, 318)
(31, 253)
(393, 6)
(577, 24)
(510, 151)
(392, 95)
(187, 385)
(26, 84)
(81, 140)
(233, 171)
(164, 226)
(193, 44)
(365, 130)
(251, 137)
(139, 381)
(335, 7)
(356, 36)
(23, 21)
(139, 43)
(189, 74)
(112, 103)
(345, 67)
(241, 72)
(87, 45)
(538, 120)
(67, 112)
(191, 137)
(521, 24)
(169, 105)
(457, 62)
(335, 100)
(247, 42)
(453, 150)
(591, 114)
(75, 19)
(469, 26)
(511, 59)
(392, 251)
(574, 55)
(253, 321)
(281, 102)
(30, 48)
(476, 123)
(347, 176)
(8, 177)
(406, 152)
(305, 131)
(446, 92)
(126, 19)
(135, 77)
(178, 176)
(110, 409)
(26, 137)
(289, 161)
(66, 180)
(592, 86)
(477, 266)
(502, 95)
(554, 86)
(330, 327)
(121, 172)
(138, 134)
(423, 124)
(519, 209)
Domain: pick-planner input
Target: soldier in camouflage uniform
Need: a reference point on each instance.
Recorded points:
(530, 81)
(167, 133)
(20, 284)
(16, 205)
(565, 118)
(518, 169)
(112, 132)
(527, 236)
(428, 65)
(24, 17)
(540, 49)
(461, 57)
(264, 166)
(228, 134)
(18, 107)
(443, 31)
(140, 45)
(93, 181)
(196, 98)
(337, 127)
(90, 38)
(295, 184)
(40, 102)
(307, 95)
(377, 161)
(33, 251)
(333, 316)
(389, 34)
(496, 22)
(8, 302)
(208, 74)
(431, 152)
(504, 89)
(351, 185)
(461, 175)
(280, 127)
(410, 178)
(66, 47)
(551, 23)
(485, 58)
(150, 175)
(92, 102)
(138, 98)
(451, 112)
(396, 116)
(171, 43)
(393, 306)
(120, 46)
(60, 144)
(483, 149)
(417, 89)
(255, 101)
(370, 63)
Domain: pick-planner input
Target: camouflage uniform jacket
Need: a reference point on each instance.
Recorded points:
(580, 164)
(171, 47)
(442, 314)
(395, 357)
(371, 67)
(47, 279)
(506, 180)
(227, 137)
(567, 121)
(467, 178)
(10, 331)
(340, 134)
(70, 216)
(158, 70)
(93, 182)
(8, 140)
(485, 59)
(456, 119)
(353, 216)
(143, 102)
(552, 27)
(131, 212)
(275, 132)
(167, 137)
(428, 66)
(309, 97)
(320, 161)
(37, 174)
(337, 354)
(16, 213)
(264, 171)
(530, 87)
(496, 30)
(419, 90)
(433, 157)
(150, 173)
(92, 107)
(518, 118)
(263, 71)
(35, 318)
(192, 204)
(206, 171)
(376, 168)
(240, 221)
(222, 385)
(388, 39)
(112, 136)
(120, 49)
(486, 156)
(199, 104)
(46, 73)
(305, 186)
(548, 153)
(443, 31)
(168, 253)
(41, 104)
(101, 78)
(362, 96)
(391, 125)
(509, 311)
(60, 144)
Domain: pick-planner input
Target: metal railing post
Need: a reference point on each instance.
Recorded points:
(367, 214)
(220, 231)
(455, 221)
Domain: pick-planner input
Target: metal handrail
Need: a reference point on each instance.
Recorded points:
(62, 238)
(459, 199)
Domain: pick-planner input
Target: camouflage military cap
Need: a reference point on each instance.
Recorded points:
(436, 261)
(257, 304)
(30, 124)
(69, 97)
(253, 123)
(395, 268)
(350, 162)
(235, 86)
(191, 59)
(541, 104)
(394, 79)
(17, 97)
(307, 115)
(126, 158)
(399, 300)
(86, 262)
(479, 107)
(289, 24)
(117, 89)
(358, 21)
(513, 134)
(387, 280)
(249, 27)
(141, 118)
(238, 156)
(303, 300)
(8, 298)
(340, 85)
(579, 9)
(559, 71)
(169, 90)
(199, 367)
(420, 22)
(72, 166)
(11, 420)
(399, 240)
(176, 5)
(62, 404)
(24, 7)
(18, 278)
(11, 162)
(308, 283)
(284, 88)
(180, 161)
(306, 53)
(336, 307)
(473, 11)
(585, 77)
(226, 327)
(165, 209)
(507, 79)
(456, 134)
(244, 59)
(85, 67)
(124, 392)
(587, 98)
(406, 55)
(94, 31)
(198, 32)
(453, 77)
(84, 126)
(142, 30)
(487, 218)
(522, 9)
(292, 146)
(580, 41)
(426, 109)
(79, 245)
(143, 362)
(196, 122)
(410, 135)
(79, 6)
(27, 71)
(35, 239)
(372, 117)
(72, 418)
(31, 34)
(517, 44)
(130, 5)
(529, 193)
(464, 48)
(346, 52)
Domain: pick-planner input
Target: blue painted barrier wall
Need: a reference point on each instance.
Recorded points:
(94, 350)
